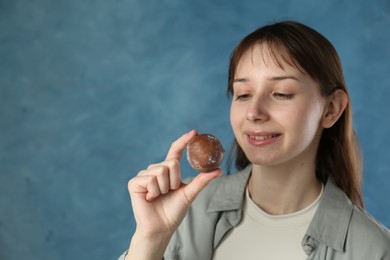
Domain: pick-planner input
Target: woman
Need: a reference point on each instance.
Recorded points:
(297, 194)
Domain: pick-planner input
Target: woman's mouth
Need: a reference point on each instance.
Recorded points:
(261, 139)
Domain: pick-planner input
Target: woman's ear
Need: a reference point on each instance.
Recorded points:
(337, 102)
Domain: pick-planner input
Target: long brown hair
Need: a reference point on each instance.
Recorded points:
(338, 154)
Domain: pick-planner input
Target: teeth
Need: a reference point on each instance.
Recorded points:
(261, 137)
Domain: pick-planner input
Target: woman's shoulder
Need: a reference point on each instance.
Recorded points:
(365, 226)
(346, 227)
(367, 238)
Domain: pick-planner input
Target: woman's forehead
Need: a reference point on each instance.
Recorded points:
(269, 55)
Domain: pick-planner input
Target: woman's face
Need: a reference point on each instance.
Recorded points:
(275, 112)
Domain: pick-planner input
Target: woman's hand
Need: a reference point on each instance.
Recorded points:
(160, 201)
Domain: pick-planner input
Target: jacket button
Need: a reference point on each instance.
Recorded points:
(308, 249)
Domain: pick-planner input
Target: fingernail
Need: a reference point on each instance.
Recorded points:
(192, 131)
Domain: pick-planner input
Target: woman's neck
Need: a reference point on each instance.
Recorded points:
(283, 189)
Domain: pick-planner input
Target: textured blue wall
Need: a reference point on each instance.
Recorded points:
(93, 91)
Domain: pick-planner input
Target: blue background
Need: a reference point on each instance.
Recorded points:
(91, 92)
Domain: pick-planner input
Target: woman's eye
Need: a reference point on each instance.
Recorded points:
(283, 95)
(243, 97)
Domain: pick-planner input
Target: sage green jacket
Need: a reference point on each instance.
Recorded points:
(339, 230)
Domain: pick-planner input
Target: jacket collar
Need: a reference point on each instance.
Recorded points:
(331, 221)
(329, 225)
(229, 191)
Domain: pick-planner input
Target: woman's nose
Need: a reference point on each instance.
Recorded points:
(257, 110)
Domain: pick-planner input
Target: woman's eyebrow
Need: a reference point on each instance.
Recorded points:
(279, 78)
(240, 80)
(274, 78)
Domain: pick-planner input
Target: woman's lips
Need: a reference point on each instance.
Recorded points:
(262, 138)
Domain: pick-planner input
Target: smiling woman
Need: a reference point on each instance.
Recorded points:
(276, 111)
(299, 184)
(312, 60)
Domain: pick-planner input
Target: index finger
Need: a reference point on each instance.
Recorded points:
(178, 146)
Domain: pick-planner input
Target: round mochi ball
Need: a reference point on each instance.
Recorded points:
(205, 152)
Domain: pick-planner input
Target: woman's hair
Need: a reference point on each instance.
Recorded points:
(338, 155)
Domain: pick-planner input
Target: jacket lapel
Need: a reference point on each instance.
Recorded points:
(228, 200)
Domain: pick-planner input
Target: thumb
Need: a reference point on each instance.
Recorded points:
(192, 189)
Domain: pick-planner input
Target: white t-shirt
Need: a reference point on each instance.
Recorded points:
(263, 236)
